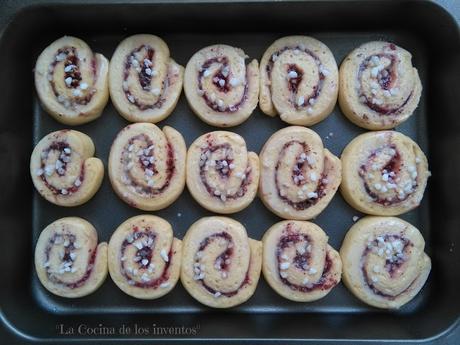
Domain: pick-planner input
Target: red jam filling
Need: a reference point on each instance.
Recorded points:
(222, 259)
(296, 171)
(224, 88)
(68, 258)
(144, 74)
(293, 83)
(392, 266)
(386, 79)
(64, 157)
(301, 261)
(144, 254)
(223, 170)
(71, 70)
(393, 165)
(144, 163)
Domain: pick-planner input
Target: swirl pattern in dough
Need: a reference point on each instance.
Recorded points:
(147, 166)
(222, 175)
(379, 87)
(384, 263)
(145, 82)
(145, 257)
(220, 87)
(68, 260)
(297, 261)
(298, 80)
(299, 176)
(72, 81)
(220, 264)
(384, 173)
(63, 168)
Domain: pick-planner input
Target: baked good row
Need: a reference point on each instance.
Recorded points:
(382, 260)
(379, 173)
(297, 79)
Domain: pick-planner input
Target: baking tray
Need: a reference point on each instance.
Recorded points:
(29, 314)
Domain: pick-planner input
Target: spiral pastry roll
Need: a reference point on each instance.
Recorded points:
(222, 175)
(298, 80)
(379, 87)
(147, 166)
(63, 168)
(384, 264)
(72, 81)
(145, 82)
(297, 261)
(299, 176)
(68, 260)
(220, 87)
(220, 264)
(145, 257)
(384, 173)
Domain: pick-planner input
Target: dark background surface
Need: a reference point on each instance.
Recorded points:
(30, 314)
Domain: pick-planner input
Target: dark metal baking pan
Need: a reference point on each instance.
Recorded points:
(29, 314)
